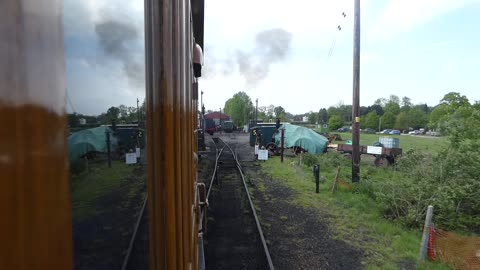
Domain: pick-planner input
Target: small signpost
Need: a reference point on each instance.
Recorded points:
(375, 150)
(137, 152)
(131, 158)
(262, 154)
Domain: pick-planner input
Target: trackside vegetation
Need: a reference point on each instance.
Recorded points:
(384, 213)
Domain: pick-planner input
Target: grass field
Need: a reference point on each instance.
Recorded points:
(427, 144)
(100, 180)
(354, 217)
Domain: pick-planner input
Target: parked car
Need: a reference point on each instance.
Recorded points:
(343, 129)
(415, 132)
(385, 131)
(395, 132)
(368, 130)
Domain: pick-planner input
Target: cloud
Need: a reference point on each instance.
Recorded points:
(271, 46)
(117, 39)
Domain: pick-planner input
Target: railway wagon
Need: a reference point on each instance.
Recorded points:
(34, 184)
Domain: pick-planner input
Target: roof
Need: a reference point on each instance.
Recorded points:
(217, 115)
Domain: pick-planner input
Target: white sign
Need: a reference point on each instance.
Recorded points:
(376, 150)
(262, 154)
(256, 149)
(131, 158)
(137, 152)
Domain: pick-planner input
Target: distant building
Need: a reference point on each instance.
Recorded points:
(217, 117)
(82, 121)
(305, 118)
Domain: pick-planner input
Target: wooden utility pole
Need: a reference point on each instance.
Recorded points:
(256, 111)
(356, 97)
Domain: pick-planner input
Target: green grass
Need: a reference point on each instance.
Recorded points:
(353, 217)
(99, 181)
(427, 144)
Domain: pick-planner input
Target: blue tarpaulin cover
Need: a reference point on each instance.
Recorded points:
(88, 140)
(303, 137)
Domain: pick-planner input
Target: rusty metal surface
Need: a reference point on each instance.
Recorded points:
(35, 228)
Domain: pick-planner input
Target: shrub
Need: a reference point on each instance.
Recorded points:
(310, 159)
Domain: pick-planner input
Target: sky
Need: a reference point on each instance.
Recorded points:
(285, 54)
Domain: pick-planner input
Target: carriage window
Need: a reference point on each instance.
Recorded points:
(104, 46)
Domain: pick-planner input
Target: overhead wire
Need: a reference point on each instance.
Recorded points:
(70, 102)
(339, 28)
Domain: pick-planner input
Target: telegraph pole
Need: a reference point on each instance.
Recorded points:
(138, 114)
(256, 112)
(356, 97)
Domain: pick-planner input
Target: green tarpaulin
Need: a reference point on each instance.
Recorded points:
(303, 137)
(88, 140)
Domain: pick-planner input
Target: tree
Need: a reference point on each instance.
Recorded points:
(335, 122)
(454, 100)
(239, 107)
(313, 117)
(437, 116)
(388, 120)
(112, 114)
(417, 118)
(323, 116)
(73, 119)
(392, 107)
(377, 108)
(402, 121)
(279, 111)
(123, 111)
(371, 120)
(406, 104)
(270, 111)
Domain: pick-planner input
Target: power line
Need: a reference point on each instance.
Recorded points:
(339, 28)
(70, 101)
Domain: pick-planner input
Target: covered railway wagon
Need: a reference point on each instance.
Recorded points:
(35, 188)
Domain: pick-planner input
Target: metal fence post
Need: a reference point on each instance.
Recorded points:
(426, 234)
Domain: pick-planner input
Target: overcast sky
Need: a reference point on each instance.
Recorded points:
(284, 53)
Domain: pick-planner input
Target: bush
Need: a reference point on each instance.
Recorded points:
(310, 159)
(448, 181)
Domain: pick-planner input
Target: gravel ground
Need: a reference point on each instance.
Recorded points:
(297, 238)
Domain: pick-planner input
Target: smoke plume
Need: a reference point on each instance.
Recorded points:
(271, 46)
(119, 40)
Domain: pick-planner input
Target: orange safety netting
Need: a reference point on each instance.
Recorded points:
(457, 251)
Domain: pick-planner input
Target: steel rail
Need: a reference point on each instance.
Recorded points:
(259, 227)
(134, 235)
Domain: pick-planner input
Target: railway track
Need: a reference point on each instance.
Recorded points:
(233, 235)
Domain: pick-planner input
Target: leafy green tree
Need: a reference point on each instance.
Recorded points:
(113, 114)
(313, 117)
(323, 116)
(438, 115)
(279, 110)
(73, 119)
(454, 100)
(239, 107)
(402, 121)
(270, 112)
(388, 120)
(392, 108)
(377, 108)
(335, 122)
(406, 104)
(417, 118)
(371, 120)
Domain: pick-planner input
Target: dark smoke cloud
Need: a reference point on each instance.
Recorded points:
(119, 40)
(271, 46)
